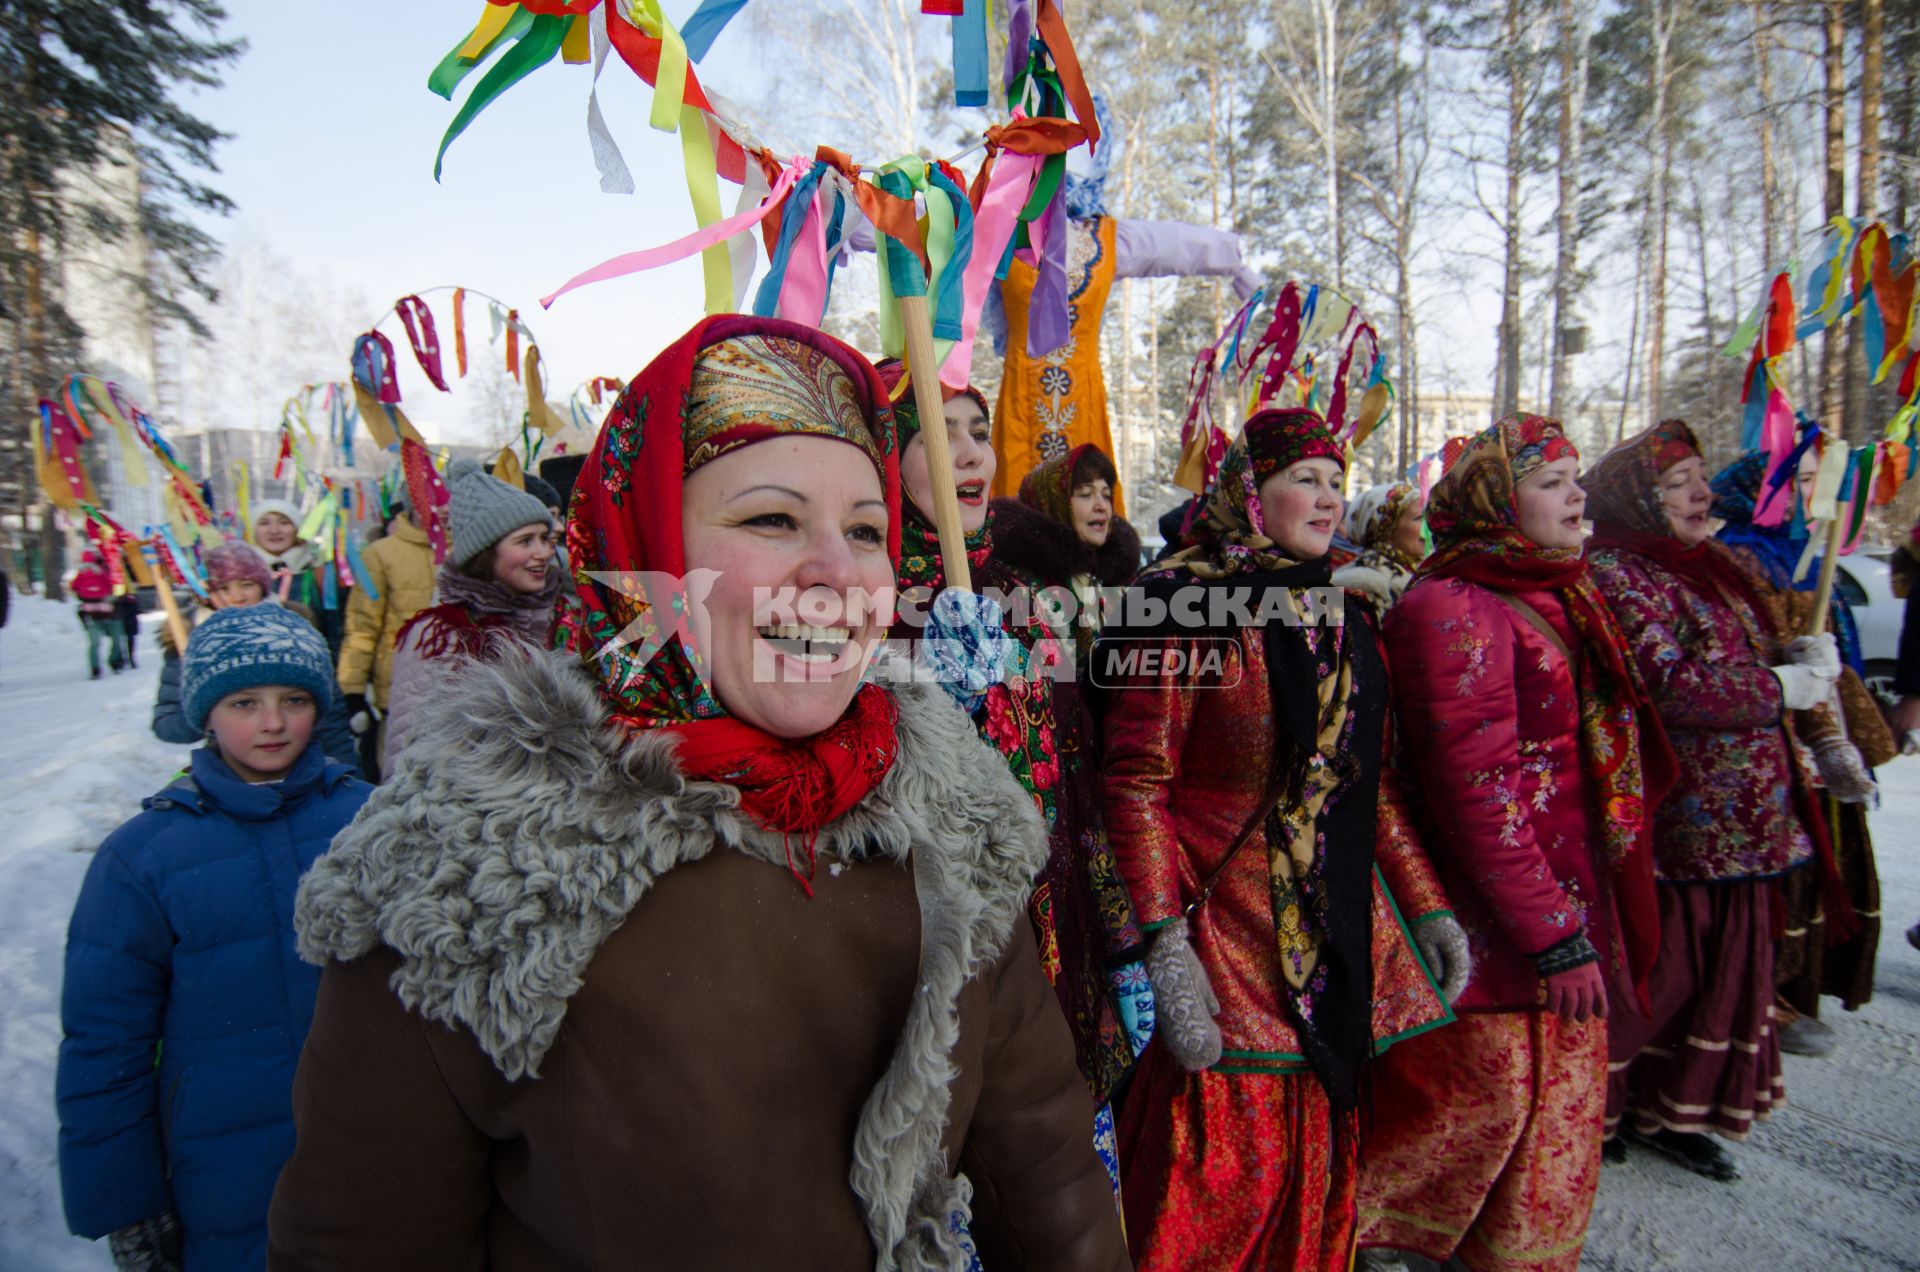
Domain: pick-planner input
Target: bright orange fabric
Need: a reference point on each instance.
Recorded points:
(1050, 405)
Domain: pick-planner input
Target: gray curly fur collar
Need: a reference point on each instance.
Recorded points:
(589, 816)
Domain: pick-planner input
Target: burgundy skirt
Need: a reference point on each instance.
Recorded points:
(1708, 1058)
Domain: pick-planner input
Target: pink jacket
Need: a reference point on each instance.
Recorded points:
(1489, 726)
(94, 587)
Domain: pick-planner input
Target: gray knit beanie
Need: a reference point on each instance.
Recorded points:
(483, 510)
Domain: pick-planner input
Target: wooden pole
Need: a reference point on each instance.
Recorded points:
(925, 373)
(163, 586)
(1829, 562)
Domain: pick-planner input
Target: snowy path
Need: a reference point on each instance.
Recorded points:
(1832, 1183)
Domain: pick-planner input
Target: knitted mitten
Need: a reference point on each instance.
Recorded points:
(1443, 943)
(1844, 772)
(964, 647)
(152, 1245)
(1183, 1002)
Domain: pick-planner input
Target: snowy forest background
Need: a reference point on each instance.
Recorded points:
(1478, 175)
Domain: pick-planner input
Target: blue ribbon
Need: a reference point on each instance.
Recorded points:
(969, 54)
(361, 578)
(766, 301)
(951, 296)
(700, 31)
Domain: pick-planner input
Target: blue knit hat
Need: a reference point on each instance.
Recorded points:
(245, 648)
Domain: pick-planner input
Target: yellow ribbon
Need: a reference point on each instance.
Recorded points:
(132, 453)
(506, 468)
(577, 48)
(1837, 270)
(670, 112)
(491, 24)
(242, 493)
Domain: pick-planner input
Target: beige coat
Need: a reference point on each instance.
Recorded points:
(401, 569)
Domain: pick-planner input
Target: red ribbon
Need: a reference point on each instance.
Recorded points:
(421, 334)
(641, 53)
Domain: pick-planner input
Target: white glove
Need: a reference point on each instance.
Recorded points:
(1443, 943)
(1844, 772)
(1183, 1002)
(1818, 654)
(1801, 687)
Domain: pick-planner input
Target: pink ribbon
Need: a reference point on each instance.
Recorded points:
(803, 293)
(993, 227)
(693, 244)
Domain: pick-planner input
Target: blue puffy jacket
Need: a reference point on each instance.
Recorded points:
(185, 1006)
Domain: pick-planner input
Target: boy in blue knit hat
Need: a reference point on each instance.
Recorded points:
(185, 1005)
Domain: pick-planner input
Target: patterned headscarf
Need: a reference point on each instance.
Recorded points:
(906, 411)
(1278, 437)
(1050, 486)
(1375, 515)
(748, 388)
(1229, 535)
(1623, 489)
(1475, 505)
(768, 378)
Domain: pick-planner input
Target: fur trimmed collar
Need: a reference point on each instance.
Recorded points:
(1034, 543)
(520, 830)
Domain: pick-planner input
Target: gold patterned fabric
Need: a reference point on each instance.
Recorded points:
(746, 388)
(1485, 1141)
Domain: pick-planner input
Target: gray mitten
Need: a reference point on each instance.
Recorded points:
(152, 1245)
(1443, 943)
(1183, 1002)
(1844, 772)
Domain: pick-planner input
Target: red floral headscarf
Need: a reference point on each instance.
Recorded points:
(731, 381)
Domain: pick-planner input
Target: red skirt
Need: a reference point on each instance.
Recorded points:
(1484, 1139)
(1709, 1057)
(1233, 1171)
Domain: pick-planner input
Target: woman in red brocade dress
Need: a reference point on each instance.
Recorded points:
(1740, 816)
(1240, 1133)
(1529, 739)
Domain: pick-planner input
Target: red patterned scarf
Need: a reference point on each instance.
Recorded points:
(624, 544)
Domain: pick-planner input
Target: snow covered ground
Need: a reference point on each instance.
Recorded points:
(1832, 1183)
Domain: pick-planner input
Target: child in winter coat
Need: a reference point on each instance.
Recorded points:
(236, 578)
(185, 1005)
(296, 567)
(93, 586)
(400, 569)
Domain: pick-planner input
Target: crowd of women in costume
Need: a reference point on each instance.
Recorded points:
(1376, 934)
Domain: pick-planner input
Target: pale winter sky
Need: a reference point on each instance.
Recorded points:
(332, 168)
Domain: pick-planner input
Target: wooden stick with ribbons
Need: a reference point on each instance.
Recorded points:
(1829, 562)
(924, 372)
(908, 279)
(176, 622)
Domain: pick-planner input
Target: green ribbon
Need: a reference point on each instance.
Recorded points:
(453, 67)
(535, 49)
